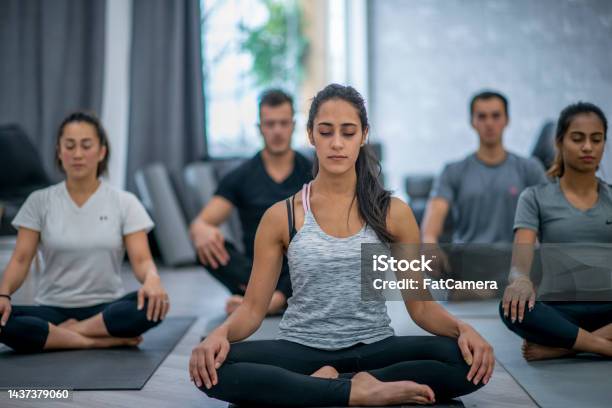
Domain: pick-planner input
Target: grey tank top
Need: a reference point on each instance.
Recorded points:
(326, 310)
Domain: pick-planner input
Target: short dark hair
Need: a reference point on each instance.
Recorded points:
(488, 94)
(567, 115)
(92, 119)
(275, 97)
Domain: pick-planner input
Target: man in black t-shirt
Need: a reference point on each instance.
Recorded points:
(273, 174)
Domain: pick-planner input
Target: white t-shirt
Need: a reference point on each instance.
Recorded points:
(82, 247)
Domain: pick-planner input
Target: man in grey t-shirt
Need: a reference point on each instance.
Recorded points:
(481, 191)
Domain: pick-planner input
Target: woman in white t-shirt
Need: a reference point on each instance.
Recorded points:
(83, 227)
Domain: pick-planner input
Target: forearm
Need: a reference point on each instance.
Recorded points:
(240, 324)
(436, 320)
(14, 275)
(144, 270)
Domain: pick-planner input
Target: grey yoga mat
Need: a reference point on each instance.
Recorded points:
(126, 368)
(582, 381)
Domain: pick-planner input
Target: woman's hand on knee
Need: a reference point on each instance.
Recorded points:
(477, 353)
(159, 302)
(519, 294)
(206, 358)
(5, 311)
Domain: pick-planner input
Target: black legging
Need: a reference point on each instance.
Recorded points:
(27, 328)
(235, 275)
(277, 372)
(556, 324)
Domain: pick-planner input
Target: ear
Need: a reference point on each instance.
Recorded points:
(102, 155)
(310, 137)
(364, 136)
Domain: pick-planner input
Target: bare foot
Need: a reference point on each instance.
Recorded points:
(534, 352)
(326, 372)
(232, 303)
(67, 323)
(106, 342)
(368, 391)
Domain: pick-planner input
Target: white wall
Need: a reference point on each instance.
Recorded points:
(116, 93)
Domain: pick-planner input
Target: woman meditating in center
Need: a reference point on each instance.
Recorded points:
(334, 348)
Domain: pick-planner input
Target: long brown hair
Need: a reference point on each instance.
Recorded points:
(565, 120)
(373, 199)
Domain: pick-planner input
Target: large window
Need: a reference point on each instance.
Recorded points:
(248, 45)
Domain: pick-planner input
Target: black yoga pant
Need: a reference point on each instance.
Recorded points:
(236, 273)
(556, 324)
(277, 372)
(27, 328)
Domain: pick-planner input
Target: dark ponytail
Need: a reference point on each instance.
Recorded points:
(565, 120)
(371, 196)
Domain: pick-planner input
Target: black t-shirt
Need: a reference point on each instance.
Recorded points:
(252, 191)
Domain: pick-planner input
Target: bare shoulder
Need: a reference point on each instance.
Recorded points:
(274, 224)
(401, 222)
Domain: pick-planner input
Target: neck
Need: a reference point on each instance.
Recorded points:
(580, 183)
(278, 160)
(82, 186)
(336, 184)
(491, 154)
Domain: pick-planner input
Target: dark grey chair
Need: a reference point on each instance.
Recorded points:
(171, 232)
(544, 147)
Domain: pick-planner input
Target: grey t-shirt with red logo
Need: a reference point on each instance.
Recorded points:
(483, 198)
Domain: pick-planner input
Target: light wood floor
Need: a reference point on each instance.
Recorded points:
(194, 292)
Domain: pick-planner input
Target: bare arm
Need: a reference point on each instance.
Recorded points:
(270, 240)
(216, 211)
(433, 219)
(19, 265)
(145, 271)
(430, 315)
(17, 268)
(205, 234)
(520, 292)
(269, 245)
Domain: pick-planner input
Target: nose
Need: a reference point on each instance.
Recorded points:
(337, 143)
(587, 146)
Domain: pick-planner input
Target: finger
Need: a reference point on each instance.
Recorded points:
(465, 352)
(222, 355)
(532, 299)
(140, 299)
(521, 309)
(202, 369)
(193, 370)
(150, 308)
(5, 315)
(210, 258)
(506, 303)
(210, 366)
(490, 368)
(202, 256)
(484, 366)
(166, 308)
(513, 308)
(475, 365)
(220, 251)
(157, 308)
(216, 252)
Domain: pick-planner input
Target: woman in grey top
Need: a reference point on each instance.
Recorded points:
(576, 209)
(333, 348)
(83, 227)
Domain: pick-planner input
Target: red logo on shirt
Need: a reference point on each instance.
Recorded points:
(513, 190)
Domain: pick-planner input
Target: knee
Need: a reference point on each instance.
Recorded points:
(25, 334)
(125, 320)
